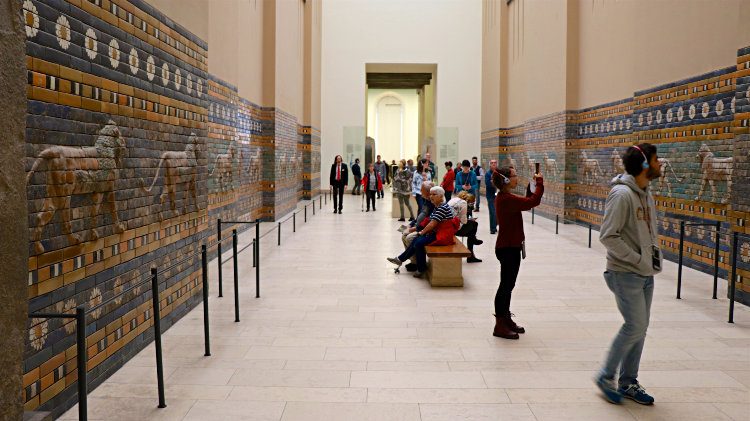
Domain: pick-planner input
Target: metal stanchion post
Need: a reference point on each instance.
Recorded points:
(305, 213)
(557, 224)
(278, 242)
(313, 206)
(321, 203)
(589, 235)
(532, 216)
(204, 267)
(679, 259)
(716, 257)
(257, 258)
(81, 360)
(253, 252)
(236, 277)
(157, 335)
(294, 221)
(732, 286)
(218, 260)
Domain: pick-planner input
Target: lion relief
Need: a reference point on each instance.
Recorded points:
(179, 167)
(78, 171)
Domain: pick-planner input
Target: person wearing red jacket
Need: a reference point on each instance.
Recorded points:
(510, 241)
(372, 183)
(448, 180)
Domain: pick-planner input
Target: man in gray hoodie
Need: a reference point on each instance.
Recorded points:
(630, 234)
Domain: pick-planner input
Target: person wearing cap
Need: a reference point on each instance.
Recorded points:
(466, 180)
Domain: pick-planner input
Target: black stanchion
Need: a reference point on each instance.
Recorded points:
(679, 259)
(278, 242)
(326, 196)
(732, 286)
(589, 235)
(81, 361)
(157, 335)
(236, 277)
(313, 206)
(253, 252)
(321, 203)
(218, 244)
(532, 216)
(294, 222)
(257, 258)
(716, 257)
(305, 213)
(204, 268)
(557, 224)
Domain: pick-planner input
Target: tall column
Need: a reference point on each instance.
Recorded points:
(13, 216)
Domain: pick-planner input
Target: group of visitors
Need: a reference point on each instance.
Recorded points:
(629, 233)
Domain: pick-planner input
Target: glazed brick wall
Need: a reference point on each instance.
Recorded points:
(709, 111)
(309, 148)
(98, 67)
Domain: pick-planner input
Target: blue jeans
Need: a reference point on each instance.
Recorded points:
(478, 197)
(416, 248)
(493, 217)
(418, 197)
(633, 295)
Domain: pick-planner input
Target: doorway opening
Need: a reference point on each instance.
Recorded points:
(400, 111)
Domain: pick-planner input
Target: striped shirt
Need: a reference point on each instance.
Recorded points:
(442, 213)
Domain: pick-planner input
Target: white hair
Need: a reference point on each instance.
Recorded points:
(428, 184)
(437, 190)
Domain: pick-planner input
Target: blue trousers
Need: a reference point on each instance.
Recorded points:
(417, 249)
(633, 295)
(493, 217)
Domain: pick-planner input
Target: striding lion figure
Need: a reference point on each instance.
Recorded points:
(223, 164)
(179, 168)
(617, 164)
(714, 169)
(591, 168)
(550, 166)
(76, 171)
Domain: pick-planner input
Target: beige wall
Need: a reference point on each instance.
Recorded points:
(289, 56)
(191, 14)
(625, 46)
(410, 108)
(535, 61)
(491, 31)
(312, 64)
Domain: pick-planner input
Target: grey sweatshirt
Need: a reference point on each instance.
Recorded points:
(625, 231)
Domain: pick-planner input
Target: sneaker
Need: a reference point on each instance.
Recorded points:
(395, 261)
(401, 220)
(493, 232)
(411, 219)
(478, 242)
(607, 386)
(418, 274)
(402, 228)
(637, 393)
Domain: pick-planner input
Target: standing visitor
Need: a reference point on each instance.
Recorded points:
(339, 180)
(510, 245)
(357, 172)
(430, 166)
(382, 170)
(402, 189)
(489, 191)
(630, 234)
(468, 227)
(373, 184)
(448, 179)
(416, 185)
(466, 179)
(479, 172)
(410, 165)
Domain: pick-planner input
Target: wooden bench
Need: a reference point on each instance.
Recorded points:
(444, 264)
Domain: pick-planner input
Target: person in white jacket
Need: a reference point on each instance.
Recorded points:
(630, 234)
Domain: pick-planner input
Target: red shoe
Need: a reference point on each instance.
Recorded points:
(502, 330)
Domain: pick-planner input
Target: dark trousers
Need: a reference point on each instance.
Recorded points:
(370, 198)
(419, 203)
(357, 185)
(493, 217)
(448, 195)
(338, 193)
(477, 197)
(469, 230)
(510, 262)
(417, 249)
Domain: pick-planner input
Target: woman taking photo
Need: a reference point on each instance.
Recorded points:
(510, 242)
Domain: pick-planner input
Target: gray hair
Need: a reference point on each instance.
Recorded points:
(438, 190)
(428, 185)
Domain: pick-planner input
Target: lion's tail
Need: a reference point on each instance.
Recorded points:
(156, 177)
(671, 168)
(46, 154)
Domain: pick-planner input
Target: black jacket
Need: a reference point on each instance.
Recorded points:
(356, 171)
(344, 175)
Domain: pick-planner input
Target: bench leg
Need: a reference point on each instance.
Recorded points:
(445, 272)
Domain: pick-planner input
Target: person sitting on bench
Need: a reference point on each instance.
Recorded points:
(469, 226)
(439, 230)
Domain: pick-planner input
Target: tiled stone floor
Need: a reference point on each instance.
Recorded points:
(338, 336)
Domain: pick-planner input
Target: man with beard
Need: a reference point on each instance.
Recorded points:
(630, 234)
